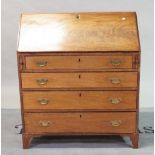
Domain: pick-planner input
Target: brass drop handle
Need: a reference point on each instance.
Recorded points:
(115, 80)
(115, 62)
(41, 63)
(42, 81)
(115, 100)
(44, 123)
(43, 101)
(116, 123)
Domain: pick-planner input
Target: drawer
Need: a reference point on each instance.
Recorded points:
(79, 100)
(79, 80)
(77, 62)
(86, 122)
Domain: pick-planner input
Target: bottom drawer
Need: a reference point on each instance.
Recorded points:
(80, 122)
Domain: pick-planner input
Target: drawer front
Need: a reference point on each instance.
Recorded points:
(116, 122)
(78, 100)
(79, 80)
(77, 62)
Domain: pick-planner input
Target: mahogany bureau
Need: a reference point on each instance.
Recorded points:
(79, 74)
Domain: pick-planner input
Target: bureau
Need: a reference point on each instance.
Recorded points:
(79, 74)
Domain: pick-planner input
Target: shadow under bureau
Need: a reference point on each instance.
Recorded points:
(79, 74)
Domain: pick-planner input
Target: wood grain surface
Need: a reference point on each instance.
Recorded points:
(78, 80)
(108, 122)
(78, 62)
(79, 32)
(79, 100)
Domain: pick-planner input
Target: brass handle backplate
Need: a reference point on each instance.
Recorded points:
(116, 123)
(115, 80)
(44, 123)
(115, 62)
(41, 63)
(42, 81)
(43, 101)
(115, 100)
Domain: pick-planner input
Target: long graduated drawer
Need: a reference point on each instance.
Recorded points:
(78, 80)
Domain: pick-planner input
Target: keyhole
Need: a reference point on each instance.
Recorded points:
(79, 76)
(80, 94)
(80, 116)
(78, 16)
(79, 60)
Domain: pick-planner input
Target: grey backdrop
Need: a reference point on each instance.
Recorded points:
(11, 10)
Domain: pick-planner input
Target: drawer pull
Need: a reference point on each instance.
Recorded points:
(43, 101)
(42, 63)
(116, 123)
(115, 100)
(45, 123)
(42, 81)
(115, 62)
(115, 80)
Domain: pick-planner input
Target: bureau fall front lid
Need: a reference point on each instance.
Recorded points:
(78, 32)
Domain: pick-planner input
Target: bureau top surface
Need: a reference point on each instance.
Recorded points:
(71, 32)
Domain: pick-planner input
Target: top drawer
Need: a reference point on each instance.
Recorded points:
(78, 62)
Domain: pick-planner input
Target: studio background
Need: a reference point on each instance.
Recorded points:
(11, 10)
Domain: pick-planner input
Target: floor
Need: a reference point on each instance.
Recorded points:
(12, 144)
